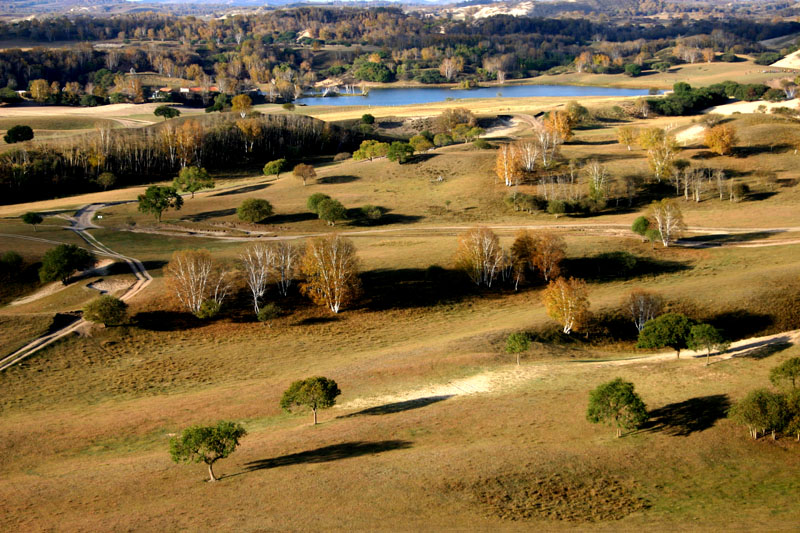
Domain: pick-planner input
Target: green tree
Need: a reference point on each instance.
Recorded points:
(420, 143)
(788, 371)
(106, 310)
(633, 70)
(33, 219)
(275, 167)
(331, 211)
(193, 179)
(206, 444)
(400, 152)
(442, 139)
(314, 200)
(158, 199)
(315, 393)
(254, 210)
(366, 118)
(793, 413)
(616, 403)
(167, 112)
(370, 149)
(706, 337)
(668, 330)
(516, 343)
(106, 180)
(60, 262)
(652, 235)
(640, 226)
(761, 410)
(18, 133)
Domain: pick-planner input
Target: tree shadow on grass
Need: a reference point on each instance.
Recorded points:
(332, 180)
(292, 217)
(681, 419)
(619, 265)
(740, 324)
(399, 407)
(763, 349)
(315, 320)
(719, 240)
(200, 217)
(405, 288)
(166, 321)
(241, 190)
(335, 452)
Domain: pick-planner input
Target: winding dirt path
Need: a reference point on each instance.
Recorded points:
(81, 222)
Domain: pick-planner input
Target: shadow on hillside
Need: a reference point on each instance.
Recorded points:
(399, 407)
(316, 320)
(619, 265)
(335, 452)
(405, 288)
(357, 218)
(289, 218)
(762, 349)
(684, 418)
(747, 151)
(720, 239)
(200, 217)
(241, 190)
(740, 324)
(333, 180)
(166, 321)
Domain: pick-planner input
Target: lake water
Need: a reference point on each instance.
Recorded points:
(424, 95)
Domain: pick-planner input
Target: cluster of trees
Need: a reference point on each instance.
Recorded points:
(73, 165)
(677, 331)
(765, 411)
(326, 208)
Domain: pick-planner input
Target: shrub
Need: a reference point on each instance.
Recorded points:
(268, 312)
(371, 212)
(768, 58)
(288, 106)
(640, 226)
(556, 207)
(106, 310)
(342, 156)
(367, 118)
(442, 139)
(481, 144)
(60, 262)
(420, 143)
(18, 133)
(254, 210)
(208, 309)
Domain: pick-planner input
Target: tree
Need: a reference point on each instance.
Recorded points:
(523, 254)
(304, 172)
(761, 411)
(106, 180)
(420, 143)
(451, 66)
(516, 343)
(206, 444)
(242, 104)
(197, 280)
(366, 118)
(669, 219)
(40, 90)
(566, 301)
(330, 267)
(669, 330)
(559, 123)
(721, 139)
(315, 393)
(642, 306)
(33, 219)
(18, 133)
(550, 251)
(286, 256)
(60, 262)
(400, 152)
(626, 135)
(633, 70)
(788, 371)
(617, 404)
(506, 165)
(640, 226)
(370, 149)
(275, 167)
(479, 255)
(707, 337)
(158, 199)
(106, 310)
(258, 262)
(193, 179)
(254, 210)
(331, 211)
(314, 200)
(167, 112)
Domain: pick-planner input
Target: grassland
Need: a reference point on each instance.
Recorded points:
(86, 423)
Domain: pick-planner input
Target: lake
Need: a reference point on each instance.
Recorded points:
(424, 95)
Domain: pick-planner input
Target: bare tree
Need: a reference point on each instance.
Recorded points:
(330, 267)
(287, 257)
(669, 219)
(258, 262)
(479, 255)
(527, 152)
(196, 278)
(642, 306)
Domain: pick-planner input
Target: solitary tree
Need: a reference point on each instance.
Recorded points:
(706, 337)
(304, 172)
(315, 393)
(567, 302)
(106, 180)
(479, 255)
(60, 262)
(242, 104)
(640, 226)
(616, 403)
(106, 310)
(669, 330)
(331, 211)
(669, 219)
(18, 133)
(254, 210)
(761, 411)
(33, 219)
(206, 444)
(721, 139)
(516, 343)
(167, 112)
(158, 199)
(193, 179)
(642, 306)
(786, 372)
(330, 267)
(400, 152)
(275, 167)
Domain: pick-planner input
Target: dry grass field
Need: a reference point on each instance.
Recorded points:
(436, 428)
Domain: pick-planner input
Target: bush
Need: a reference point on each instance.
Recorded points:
(60, 262)
(18, 133)
(254, 210)
(371, 212)
(106, 310)
(442, 139)
(640, 226)
(774, 95)
(367, 118)
(342, 156)
(556, 207)
(288, 106)
(740, 190)
(208, 309)
(10, 265)
(314, 200)
(420, 143)
(268, 312)
(616, 404)
(481, 144)
(768, 58)
(632, 69)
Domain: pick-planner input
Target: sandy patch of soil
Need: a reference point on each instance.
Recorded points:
(690, 135)
(101, 269)
(750, 107)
